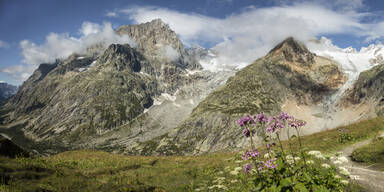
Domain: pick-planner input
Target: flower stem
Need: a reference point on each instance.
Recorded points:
(281, 146)
(301, 147)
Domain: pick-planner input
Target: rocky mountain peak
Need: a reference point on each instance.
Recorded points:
(152, 36)
(122, 57)
(292, 50)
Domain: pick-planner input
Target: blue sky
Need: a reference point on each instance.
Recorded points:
(205, 22)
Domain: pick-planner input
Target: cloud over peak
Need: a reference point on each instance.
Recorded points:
(243, 37)
(60, 46)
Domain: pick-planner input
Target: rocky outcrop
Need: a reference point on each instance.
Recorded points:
(73, 102)
(157, 41)
(368, 88)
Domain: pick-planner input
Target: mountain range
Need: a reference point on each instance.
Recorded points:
(6, 90)
(155, 97)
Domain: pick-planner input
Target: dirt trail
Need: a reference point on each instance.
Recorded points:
(370, 179)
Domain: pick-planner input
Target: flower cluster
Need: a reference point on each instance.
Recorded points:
(274, 125)
(294, 123)
(251, 154)
(261, 118)
(270, 164)
(247, 168)
(245, 121)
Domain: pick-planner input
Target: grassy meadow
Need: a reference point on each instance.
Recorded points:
(101, 171)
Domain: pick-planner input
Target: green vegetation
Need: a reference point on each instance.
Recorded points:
(371, 153)
(329, 141)
(102, 171)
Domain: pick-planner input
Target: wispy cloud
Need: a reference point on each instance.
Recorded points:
(241, 38)
(111, 14)
(4, 44)
(19, 72)
(60, 46)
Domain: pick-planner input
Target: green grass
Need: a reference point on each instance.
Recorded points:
(329, 141)
(102, 171)
(372, 153)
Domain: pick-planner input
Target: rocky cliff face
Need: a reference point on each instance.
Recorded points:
(368, 89)
(74, 101)
(289, 72)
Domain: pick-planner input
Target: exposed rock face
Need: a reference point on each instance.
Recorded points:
(84, 97)
(6, 91)
(368, 89)
(288, 72)
(158, 42)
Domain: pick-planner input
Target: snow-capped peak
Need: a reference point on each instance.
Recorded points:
(352, 61)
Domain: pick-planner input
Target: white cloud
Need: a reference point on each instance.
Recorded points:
(88, 28)
(4, 44)
(60, 46)
(338, 5)
(19, 72)
(170, 53)
(111, 14)
(241, 38)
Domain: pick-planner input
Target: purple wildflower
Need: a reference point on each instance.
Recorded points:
(284, 116)
(247, 168)
(247, 132)
(245, 120)
(250, 154)
(270, 164)
(274, 125)
(301, 123)
(297, 123)
(261, 118)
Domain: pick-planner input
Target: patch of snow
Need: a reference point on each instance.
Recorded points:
(79, 58)
(157, 101)
(352, 62)
(165, 96)
(144, 73)
(146, 110)
(192, 72)
(93, 63)
(175, 104)
(82, 69)
(168, 97)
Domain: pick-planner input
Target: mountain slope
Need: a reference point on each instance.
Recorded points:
(289, 72)
(76, 100)
(368, 89)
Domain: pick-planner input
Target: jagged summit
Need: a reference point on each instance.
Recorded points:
(156, 40)
(293, 51)
(152, 35)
